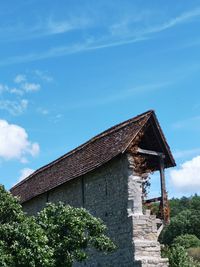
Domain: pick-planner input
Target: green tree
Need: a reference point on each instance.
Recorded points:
(178, 257)
(57, 237)
(195, 202)
(187, 241)
(186, 222)
(10, 209)
(23, 242)
(179, 205)
(70, 231)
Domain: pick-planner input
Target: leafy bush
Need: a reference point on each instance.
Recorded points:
(57, 237)
(70, 231)
(187, 241)
(178, 257)
(186, 222)
(10, 209)
(178, 205)
(182, 235)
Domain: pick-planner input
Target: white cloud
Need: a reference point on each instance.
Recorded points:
(187, 177)
(182, 18)
(57, 27)
(127, 27)
(15, 143)
(20, 78)
(30, 87)
(57, 118)
(43, 111)
(14, 107)
(12, 99)
(16, 91)
(44, 27)
(3, 88)
(25, 173)
(43, 76)
(189, 124)
(116, 34)
(34, 149)
(87, 45)
(120, 95)
(178, 154)
(24, 84)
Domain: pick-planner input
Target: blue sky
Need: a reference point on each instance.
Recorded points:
(71, 69)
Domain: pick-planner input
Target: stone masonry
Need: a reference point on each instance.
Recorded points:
(113, 193)
(145, 238)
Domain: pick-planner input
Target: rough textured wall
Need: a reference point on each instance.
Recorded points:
(112, 192)
(35, 205)
(104, 192)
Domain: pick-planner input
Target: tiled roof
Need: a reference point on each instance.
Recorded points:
(83, 159)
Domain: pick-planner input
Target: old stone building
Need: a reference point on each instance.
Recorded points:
(106, 176)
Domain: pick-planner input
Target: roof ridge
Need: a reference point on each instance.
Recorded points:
(91, 140)
(120, 125)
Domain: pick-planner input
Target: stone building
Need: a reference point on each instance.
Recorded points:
(106, 176)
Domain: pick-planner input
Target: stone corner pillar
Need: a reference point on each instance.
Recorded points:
(134, 189)
(146, 248)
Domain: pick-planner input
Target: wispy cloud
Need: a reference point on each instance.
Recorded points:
(180, 154)
(25, 173)
(14, 107)
(20, 78)
(87, 45)
(118, 95)
(16, 91)
(43, 111)
(123, 32)
(73, 23)
(192, 123)
(13, 98)
(182, 18)
(3, 88)
(57, 118)
(25, 85)
(46, 27)
(31, 87)
(128, 26)
(43, 75)
(116, 34)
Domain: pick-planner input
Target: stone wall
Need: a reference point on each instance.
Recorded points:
(113, 193)
(145, 239)
(104, 193)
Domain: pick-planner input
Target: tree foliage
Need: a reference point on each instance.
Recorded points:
(182, 235)
(187, 241)
(10, 209)
(186, 222)
(190, 203)
(70, 231)
(178, 257)
(56, 237)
